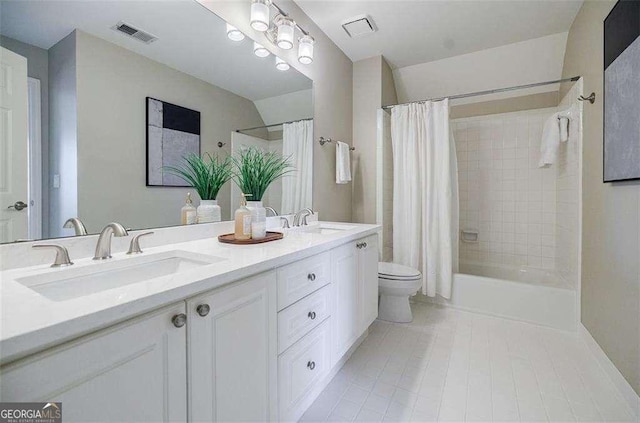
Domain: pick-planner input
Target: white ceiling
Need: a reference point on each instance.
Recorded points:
(419, 31)
(191, 39)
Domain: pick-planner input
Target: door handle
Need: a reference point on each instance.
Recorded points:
(18, 205)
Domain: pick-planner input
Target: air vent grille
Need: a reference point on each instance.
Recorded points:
(134, 32)
(359, 26)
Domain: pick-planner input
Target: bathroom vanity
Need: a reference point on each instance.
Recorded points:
(191, 331)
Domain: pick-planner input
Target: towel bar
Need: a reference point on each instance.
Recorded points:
(324, 140)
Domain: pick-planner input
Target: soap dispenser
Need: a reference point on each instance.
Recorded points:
(243, 219)
(188, 212)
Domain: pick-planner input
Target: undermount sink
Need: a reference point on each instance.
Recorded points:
(323, 228)
(70, 283)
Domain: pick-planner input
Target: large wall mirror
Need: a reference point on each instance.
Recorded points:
(112, 92)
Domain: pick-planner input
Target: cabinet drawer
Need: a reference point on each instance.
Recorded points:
(297, 280)
(298, 319)
(301, 367)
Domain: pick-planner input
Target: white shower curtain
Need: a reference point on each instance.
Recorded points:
(297, 143)
(425, 194)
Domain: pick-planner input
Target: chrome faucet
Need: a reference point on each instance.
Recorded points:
(76, 224)
(285, 222)
(302, 214)
(62, 255)
(103, 248)
(272, 210)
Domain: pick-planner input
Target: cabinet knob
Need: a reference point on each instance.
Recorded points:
(179, 320)
(311, 277)
(364, 245)
(359, 245)
(311, 365)
(311, 315)
(203, 309)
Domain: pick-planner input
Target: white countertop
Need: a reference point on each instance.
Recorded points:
(30, 322)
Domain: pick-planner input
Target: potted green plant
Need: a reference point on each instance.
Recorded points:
(255, 171)
(206, 174)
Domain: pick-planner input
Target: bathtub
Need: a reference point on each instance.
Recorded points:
(526, 294)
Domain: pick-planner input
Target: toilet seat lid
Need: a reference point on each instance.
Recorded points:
(397, 271)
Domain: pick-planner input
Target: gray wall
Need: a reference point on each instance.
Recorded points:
(610, 298)
(373, 87)
(112, 86)
(63, 142)
(38, 68)
(331, 73)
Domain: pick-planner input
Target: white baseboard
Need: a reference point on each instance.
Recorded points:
(627, 392)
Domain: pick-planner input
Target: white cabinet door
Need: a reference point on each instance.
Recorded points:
(301, 367)
(134, 371)
(368, 280)
(13, 146)
(233, 352)
(345, 318)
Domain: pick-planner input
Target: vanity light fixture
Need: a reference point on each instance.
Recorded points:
(260, 15)
(234, 33)
(281, 65)
(286, 32)
(259, 50)
(305, 49)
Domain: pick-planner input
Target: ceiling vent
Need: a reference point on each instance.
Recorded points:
(134, 32)
(359, 25)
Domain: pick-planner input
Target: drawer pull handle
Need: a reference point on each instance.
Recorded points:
(179, 320)
(311, 365)
(311, 277)
(203, 309)
(311, 315)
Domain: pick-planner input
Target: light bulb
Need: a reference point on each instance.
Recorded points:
(259, 50)
(234, 33)
(286, 32)
(281, 65)
(260, 15)
(305, 49)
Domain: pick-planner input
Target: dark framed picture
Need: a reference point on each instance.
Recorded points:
(173, 132)
(621, 155)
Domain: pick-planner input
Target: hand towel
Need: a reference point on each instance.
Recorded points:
(564, 128)
(550, 141)
(343, 163)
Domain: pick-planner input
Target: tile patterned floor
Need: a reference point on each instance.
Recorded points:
(450, 365)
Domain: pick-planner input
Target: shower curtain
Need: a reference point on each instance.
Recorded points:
(425, 194)
(297, 143)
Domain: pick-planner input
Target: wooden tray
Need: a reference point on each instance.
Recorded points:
(231, 239)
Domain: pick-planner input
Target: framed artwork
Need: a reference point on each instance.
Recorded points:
(622, 92)
(172, 133)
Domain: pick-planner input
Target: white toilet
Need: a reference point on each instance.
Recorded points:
(396, 283)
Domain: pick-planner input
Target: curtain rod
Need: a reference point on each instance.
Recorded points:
(498, 90)
(272, 125)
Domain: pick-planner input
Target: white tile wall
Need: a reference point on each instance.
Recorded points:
(503, 193)
(451, 365)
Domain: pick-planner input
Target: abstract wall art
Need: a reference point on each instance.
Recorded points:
(622, 92)
(173, 132)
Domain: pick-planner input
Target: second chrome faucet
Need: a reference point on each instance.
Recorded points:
(103, 247)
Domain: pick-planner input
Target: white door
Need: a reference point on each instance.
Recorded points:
(345, 319)
(233, 353)
(368, 279)
(133, 372)
(13, 146)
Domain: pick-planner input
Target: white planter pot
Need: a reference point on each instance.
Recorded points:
(209, 211)
(258, 219)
